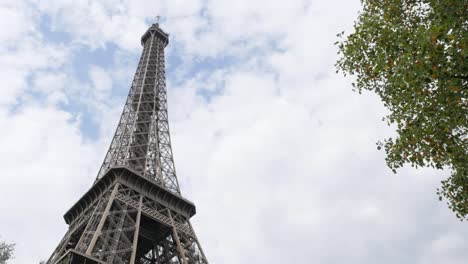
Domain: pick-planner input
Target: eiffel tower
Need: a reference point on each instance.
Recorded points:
(134, 213)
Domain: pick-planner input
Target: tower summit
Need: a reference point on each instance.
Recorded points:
(134, 213)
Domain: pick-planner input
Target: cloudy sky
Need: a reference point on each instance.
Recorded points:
(273, 147)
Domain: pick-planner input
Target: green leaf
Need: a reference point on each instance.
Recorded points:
(413, 55)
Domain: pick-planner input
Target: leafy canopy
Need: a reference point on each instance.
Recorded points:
(413, 55)
(6, 251)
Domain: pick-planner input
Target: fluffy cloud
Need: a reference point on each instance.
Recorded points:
(44, 160)
(22, 51)
(272, 146)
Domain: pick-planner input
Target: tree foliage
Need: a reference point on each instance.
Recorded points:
(6, 252)
(413, 55)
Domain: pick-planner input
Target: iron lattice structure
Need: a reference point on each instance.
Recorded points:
(134, 212)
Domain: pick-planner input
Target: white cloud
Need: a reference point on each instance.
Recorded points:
(102, 82)
(17, 21)
(22, 51)
(52, 86)
(274, 148)
(44, 160)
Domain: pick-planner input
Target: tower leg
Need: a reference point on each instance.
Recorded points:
(137, 232)
(98, 230)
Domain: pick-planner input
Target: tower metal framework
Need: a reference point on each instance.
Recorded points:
(134, 213)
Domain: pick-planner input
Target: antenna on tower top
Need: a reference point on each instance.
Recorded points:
(157, 19)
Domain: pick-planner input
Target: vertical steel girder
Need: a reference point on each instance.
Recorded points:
(121, 225)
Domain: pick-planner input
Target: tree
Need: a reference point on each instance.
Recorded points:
(6, 252)
(413, 55)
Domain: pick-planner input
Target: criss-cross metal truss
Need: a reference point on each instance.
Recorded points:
(142, 141)
(134, 213)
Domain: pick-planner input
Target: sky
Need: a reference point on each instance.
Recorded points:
(274, 148)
